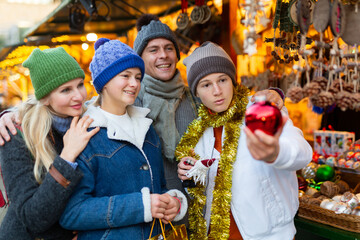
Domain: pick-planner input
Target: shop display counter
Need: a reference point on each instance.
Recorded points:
(310, 230)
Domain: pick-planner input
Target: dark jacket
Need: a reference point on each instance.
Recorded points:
(34, 209)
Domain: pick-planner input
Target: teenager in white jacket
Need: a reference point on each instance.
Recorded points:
(250, 192)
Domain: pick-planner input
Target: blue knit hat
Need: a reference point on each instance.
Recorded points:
(111, 58)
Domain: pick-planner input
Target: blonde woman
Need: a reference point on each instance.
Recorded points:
(38, 164)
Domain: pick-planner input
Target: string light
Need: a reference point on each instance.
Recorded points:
(85, 46)
(91, 37)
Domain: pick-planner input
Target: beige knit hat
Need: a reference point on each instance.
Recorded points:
(206, 59)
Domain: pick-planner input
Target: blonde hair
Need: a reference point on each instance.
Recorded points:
(98, 100)
(36, 123)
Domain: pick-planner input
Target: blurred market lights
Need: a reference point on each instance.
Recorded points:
(85, 46)
(26, 72)
(91, 37)
(14, 77)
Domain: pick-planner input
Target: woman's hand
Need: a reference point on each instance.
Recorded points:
(77, 137)
(7, 122)
(172, 209)
(262, 146)
(184, 166)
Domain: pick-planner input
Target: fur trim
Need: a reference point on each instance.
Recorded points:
(118, 130)
(183, 201)
(100, 120)
(147, 204)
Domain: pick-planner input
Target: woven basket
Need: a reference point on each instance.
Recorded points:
(316, 213)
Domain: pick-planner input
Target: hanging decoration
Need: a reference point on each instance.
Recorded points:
(342, 86)
(321, 16)
(201, 13)
(285, 22)
(355, 3)
(197, 14)
(300, 13)
(182, 20)
(304, 15)
(207, 13)
(253, 9)
(295, 91)
(351, 33)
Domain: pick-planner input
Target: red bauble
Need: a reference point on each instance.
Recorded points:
(265, 116)
(302, 183)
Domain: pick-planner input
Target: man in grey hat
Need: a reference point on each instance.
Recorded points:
(163, 91)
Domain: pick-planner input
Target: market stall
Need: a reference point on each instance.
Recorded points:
(326, 75)
(309, 49)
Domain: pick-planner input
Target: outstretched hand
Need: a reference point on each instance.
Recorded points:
(262, 146)
(271, 96)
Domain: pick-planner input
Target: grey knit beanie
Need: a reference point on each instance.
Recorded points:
(155, 29)
(206, 59)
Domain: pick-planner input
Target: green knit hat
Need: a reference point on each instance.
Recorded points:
(51, 68)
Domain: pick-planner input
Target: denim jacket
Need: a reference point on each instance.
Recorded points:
(113, 199)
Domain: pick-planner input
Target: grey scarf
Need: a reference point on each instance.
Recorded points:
(163, 98)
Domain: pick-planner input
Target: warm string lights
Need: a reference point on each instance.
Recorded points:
(16, 78)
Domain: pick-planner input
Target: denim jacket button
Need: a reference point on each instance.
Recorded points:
(144, 167)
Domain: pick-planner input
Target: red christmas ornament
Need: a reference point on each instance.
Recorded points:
(265, 116)
(302, 183)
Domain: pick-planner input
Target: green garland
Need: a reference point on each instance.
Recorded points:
(220, 210)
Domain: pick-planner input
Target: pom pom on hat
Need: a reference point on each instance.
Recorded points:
(111, 58)
(51, 68)
(100, 42)
(144, 20)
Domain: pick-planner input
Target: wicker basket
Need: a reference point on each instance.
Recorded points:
(328, 217)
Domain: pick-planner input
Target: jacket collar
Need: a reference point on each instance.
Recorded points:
(139, 123)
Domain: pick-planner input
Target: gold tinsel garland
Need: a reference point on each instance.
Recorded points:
(220, 210)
